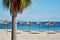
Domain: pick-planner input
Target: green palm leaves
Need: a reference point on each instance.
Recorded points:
(25, 3)
(16, 5)
(6, 3)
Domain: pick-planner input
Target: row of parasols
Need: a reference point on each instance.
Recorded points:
(29, 23)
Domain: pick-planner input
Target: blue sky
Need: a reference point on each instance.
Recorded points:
(39, 10)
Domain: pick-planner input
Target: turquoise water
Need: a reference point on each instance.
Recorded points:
(34, 27)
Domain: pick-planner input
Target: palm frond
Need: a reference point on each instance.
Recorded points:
(6, 3)
(24, 4)
(16, 5)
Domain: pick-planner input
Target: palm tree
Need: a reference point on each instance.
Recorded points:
(29, 23)
(39, 25)
(22, 23)
(48, 24)
(15, 7)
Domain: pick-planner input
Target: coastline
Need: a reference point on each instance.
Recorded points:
(22, 35)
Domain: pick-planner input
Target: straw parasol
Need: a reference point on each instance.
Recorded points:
(6, 24)
(29, 23)
(48, 24)
(39, 25)
(22, 23)
(54, 24)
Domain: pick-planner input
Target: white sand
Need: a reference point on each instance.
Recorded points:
(32, 36)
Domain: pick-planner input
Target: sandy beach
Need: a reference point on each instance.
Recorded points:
(32, 36)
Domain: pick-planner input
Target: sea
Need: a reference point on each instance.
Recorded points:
(34, 26)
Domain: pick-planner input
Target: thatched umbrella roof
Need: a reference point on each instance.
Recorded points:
(29, 22)
(38, 22)
(22, 22)
(54, 23)
(48, 23)
(5, 22)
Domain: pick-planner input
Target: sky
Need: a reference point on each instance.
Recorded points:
(39, 10)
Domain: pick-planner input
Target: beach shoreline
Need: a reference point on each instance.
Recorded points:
(22, 35)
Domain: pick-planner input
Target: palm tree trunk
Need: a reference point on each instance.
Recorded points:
(14, 28)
